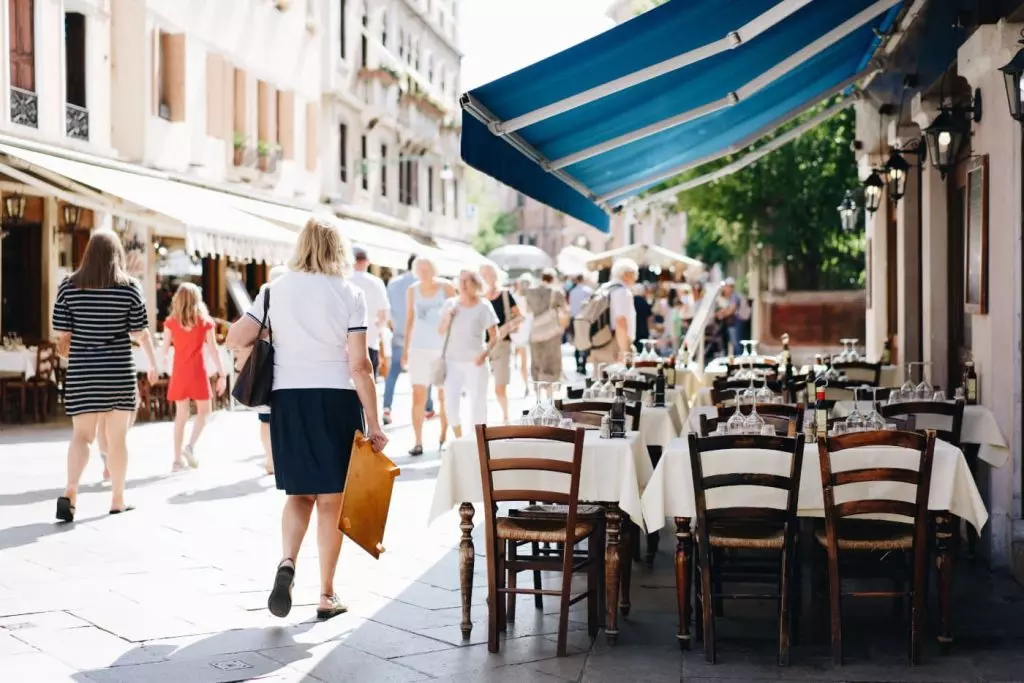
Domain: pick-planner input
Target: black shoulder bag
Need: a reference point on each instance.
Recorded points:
(256, 379)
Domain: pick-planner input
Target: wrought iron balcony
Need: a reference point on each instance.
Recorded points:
(77, 121)
(24, 107)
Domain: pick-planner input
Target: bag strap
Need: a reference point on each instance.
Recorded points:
(448, 332)
(264, 324)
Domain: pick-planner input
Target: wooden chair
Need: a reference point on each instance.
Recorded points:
(584, 420)
(36, 389)
(861, 372)
(633, 409)
(724, 391)
(504, 534)
(787, 418)
(769, 367)
(746, 528)
(877, 540)
(913, 411)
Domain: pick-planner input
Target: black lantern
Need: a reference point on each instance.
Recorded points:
(848, 212)
(1012, 74)
(14, 207)
(944, 137)
(896, 171)
(873, 187)
(72, 216)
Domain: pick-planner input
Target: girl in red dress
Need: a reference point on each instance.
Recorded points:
(189, 329)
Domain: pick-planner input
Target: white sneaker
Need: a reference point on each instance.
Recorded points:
(190, 457)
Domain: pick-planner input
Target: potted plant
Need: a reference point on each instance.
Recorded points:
(263, 149)
(239, 147)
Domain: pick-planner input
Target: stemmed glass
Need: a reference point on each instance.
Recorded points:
(855, 420)
(764, 394)
(924, 390)
(845, 355)
(550, 415)
(736, 424)
(874, 421)
(753, 349)
(908, 391)
(854, 356)
(745, 343)
(649, 352)
(536, 414)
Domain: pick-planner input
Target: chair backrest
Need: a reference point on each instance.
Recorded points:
(913, 411)
(785, 417)
(574, 393)
(724, 390)
(861, 371)
(638, 385)
(569, 497)
(46, 361)
(585, 420)
(920, 477)
(601, 407)
(716, 446)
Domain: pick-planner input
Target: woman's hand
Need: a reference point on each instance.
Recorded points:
(405, 360)
(222, 385)
(481, 359)
(378, 439)
(152, 375)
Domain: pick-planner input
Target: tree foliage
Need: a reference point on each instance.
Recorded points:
(782, 208)
(493, 232)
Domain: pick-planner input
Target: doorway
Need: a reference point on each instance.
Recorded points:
(21, 281)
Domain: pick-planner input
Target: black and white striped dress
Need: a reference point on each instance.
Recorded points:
(101, 369)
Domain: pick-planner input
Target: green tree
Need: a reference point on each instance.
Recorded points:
(782, 208)
(493, 232)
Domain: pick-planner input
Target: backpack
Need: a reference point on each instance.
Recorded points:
(743, 310)
(592, 326)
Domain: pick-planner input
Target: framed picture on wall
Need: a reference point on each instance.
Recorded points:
(976, 238)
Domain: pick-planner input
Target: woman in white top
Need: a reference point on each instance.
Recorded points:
(465, 321)
(323, 389)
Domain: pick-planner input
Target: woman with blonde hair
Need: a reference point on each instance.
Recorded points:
(466, 320)
(323, 392)
(190, 329)
(423, 342)
(98, 311)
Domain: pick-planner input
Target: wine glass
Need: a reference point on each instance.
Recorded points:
(908, 390)
(874, 420)
(735, 424)
(651, 353)
(939, 396)
(854, 356)
(924, 390)
(855, 420)
(753, 349)
(536, 414)
(745, 343)
(844, 356)
(764, 394)
(753, 423)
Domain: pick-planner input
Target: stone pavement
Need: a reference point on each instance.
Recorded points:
(175, 592)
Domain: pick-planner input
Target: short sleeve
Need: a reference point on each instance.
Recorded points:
(489, 317)
(61, 311)
(619, 302)
(138, 320)
(357, 316)
(385, 302)
(255, 311)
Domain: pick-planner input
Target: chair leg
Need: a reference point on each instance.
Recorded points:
(538, 599)
(835, 602)
(707, 602)
(22, 416)
(504, 578)
(716, 561)
(785, 608)
(698, 605)
(492, 598)
(595, 587)
(626, 567)
(509, 613)
(917, 608)
(798, 596)
(563, 600)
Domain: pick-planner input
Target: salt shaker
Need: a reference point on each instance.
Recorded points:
(606, 427)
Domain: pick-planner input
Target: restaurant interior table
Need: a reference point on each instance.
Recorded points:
(670, 494)
(614, 474)
(19, 362)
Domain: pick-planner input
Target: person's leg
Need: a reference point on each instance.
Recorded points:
(181, 415)
(101, 442)
(116, 424)
(419, 400)
(429, 405)
(476, 392)
(501, 391)
(202, 413)
(268, 450)
(392, 379)
(83, 432)
(453, 385)
(501, 368)
(734, 339)
(328, 542)
(524, 368)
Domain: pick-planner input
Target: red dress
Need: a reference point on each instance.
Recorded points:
(189, 378)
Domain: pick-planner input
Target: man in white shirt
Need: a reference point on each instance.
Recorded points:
(625, 273)
(377, 307)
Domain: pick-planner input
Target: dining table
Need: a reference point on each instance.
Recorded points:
(613, 474)
(19, 362)
(669, 494)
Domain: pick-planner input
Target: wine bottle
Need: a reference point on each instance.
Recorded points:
(820, 413)
(971, 384)
(618, 412)
(659, 386)
(670, 373)
(809, 386)
(684, 357)
(786, 357)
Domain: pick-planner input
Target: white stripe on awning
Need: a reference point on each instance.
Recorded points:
(213, 227)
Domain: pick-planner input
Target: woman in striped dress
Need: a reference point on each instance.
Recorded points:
(99, 310)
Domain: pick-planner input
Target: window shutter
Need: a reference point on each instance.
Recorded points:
(22, 44)
(286, 123)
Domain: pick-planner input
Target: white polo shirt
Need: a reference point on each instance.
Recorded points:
(620, 302)
(376, 295)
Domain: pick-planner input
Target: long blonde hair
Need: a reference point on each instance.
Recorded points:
(103, 263)
(187, 306)
(321, 249)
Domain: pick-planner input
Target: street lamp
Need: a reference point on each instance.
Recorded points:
(848, 212)
(14, 207)
(1012, 76)
(946, 134)
(72, 216)
(896, 171)
(873, 187)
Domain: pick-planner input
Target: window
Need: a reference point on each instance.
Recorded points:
(416, 54)
(430, 188)
(414, 183)
(343, 27)
(632, 233)
(442, 83)
(430, 68)
(266, 117)
(383, 170)
(403, 181)
(364, 44)
(343, 152)
(74, 58)
(401, 43)
(170, 76)
(22, 44)
(365, 166)
(384, 28)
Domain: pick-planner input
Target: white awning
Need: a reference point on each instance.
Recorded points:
(213, 227)
(455, 256)
(573, 260)
(644, 255)
(385, 247)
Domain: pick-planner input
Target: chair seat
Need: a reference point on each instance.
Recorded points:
(557, 512)
(749, 536)
(540, 530)
(856, 534)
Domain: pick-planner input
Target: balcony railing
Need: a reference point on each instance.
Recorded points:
(24, 107)
(77, 121)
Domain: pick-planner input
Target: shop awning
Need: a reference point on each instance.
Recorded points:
(645, 255)
(385, 247)
(213, 227)
(454, 256)
(585, 129)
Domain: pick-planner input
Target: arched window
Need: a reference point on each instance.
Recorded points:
(384, 28)
(430, 68)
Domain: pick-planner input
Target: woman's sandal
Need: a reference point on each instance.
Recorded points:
(335, 609)
(280, 601)
(65, 510)
(126, 508)
(416, 450)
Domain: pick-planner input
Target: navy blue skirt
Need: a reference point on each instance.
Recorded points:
(312, 434)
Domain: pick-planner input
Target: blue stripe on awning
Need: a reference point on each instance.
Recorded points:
(662, 33)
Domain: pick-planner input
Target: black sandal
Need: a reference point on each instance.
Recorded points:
(336, 609)
(65, 510)
(280, 601)
(126, 508)
(416, 450)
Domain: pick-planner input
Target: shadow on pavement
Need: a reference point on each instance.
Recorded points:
(17, 536)
(40, 495)
(246, 487)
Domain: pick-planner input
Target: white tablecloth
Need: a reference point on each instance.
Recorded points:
(614, 471)
(659, 425)
(669, 492)
(979, 427)
(18, 362)
(142, 363)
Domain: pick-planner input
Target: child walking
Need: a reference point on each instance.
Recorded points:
(189, 329)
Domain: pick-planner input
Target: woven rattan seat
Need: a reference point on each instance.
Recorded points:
(867, 535)
(746, 536)
(540, 530)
